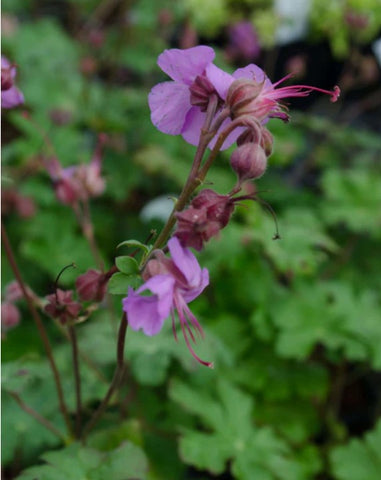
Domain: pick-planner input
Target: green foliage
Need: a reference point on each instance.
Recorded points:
(289, 324)
(234, 437)
(77, 462)
(359, 458)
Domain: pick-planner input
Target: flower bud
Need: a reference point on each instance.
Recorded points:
(208, 213)
(242, 97)
(249, 161)
(10, 315)
(91, 286)
(251, 136)
(13, 292)
(62, 306)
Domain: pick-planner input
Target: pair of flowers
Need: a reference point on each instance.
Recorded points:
(174, 111)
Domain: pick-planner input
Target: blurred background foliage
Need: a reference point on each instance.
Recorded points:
(293, 326)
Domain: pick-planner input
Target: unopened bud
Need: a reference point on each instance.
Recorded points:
(10, 315)
(219, 208)
(250, 135)
(242, 97)
(201, 90)
(208, 213)
(13, 292)
(91, 286)
(249, 161)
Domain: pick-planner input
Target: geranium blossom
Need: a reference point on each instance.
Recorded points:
(171, 105)
(170, 102)
(173, 282)
(10, 95)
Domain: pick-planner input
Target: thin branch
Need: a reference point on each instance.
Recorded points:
(39, 325)
(77, 377)
(40, 419)
(118, 375)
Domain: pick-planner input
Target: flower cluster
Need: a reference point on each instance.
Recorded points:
(211, 109)
(76, 183)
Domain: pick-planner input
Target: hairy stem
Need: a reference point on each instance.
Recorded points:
(88, 232)
(77, 378)
(192, 182)
(40, 419)
(39, 325)
(118, 375)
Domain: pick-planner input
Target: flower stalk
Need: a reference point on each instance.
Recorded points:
(117, 378)
(39, 325)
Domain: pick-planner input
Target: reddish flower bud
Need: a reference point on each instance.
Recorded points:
(219, 208)
(13, 292)
(201, 90)
(62, 306)
(251, 136)
(10, 315)
(249, 161)
(208, 213)
(242, 97)
(91, 286)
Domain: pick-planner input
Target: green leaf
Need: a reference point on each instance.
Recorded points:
(127, 265)
(234, 438)
(353, 197)
(134, 244)
(359, 458)
(119, 283)
(77, 463)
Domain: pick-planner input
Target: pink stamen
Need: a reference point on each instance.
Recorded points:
(196, 357)
(299, 90)
(193, 321)
(174, 325)
(182, 318)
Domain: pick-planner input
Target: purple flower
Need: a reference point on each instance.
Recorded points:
(178, 107)
(173, 282)
(10, 95)
(170, 102)
(252, 93)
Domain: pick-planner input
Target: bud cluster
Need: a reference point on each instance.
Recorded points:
(207, 214)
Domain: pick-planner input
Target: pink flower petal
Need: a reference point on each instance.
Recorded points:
(220, 79)
(186, 262)
(253, 72)
(169, 103)
(11, 98)
(184, 65)
(193, 124)
(149, 313)
(162, 286)
(142, 313)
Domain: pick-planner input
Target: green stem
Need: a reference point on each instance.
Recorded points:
(118, 375)
(207, 133)
(77, 377)
(40, 419)
(39, 325)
